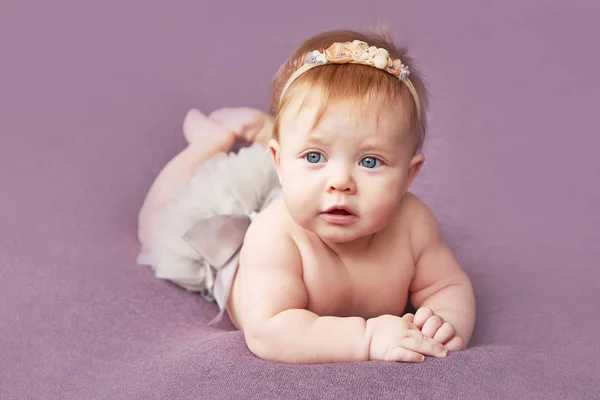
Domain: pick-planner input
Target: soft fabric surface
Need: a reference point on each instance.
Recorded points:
(92, 95)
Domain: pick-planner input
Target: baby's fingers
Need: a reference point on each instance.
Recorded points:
(403, 355)
(409, 317)
(422, 315)
(445, 333)
(455, 344)
(424, 345)
(432, 325)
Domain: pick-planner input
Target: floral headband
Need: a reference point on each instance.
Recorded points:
(357, 52)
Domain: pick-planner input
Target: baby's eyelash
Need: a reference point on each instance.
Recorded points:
(372, 162)
(314, 157)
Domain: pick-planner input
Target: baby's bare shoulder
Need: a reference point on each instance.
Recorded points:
(413, 211)
(269, 237)
(420, 221)
(272, 221)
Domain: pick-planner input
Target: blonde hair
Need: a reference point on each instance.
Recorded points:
(365, 85)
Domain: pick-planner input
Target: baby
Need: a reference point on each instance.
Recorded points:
(327, 268)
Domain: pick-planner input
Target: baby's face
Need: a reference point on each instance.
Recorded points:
(344, 179)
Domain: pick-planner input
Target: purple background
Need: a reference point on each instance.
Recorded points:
(92, 97)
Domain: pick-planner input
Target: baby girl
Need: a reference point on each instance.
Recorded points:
(334, 245)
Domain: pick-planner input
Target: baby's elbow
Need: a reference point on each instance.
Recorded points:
(260, 344)
(271, 341)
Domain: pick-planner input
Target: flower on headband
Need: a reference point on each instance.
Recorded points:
(358, 49)
(398, 69)
(364, 54)
(380, 58)
(339, 53)
(404, 72)
(315, 57)
(395, 67)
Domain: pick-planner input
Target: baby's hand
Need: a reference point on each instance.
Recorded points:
(395, 339)
(434, 326)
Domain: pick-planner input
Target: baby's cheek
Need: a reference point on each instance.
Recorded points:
(382, 209)
(298, 203)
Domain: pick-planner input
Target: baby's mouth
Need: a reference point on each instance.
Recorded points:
(339, 211)
(339, 216)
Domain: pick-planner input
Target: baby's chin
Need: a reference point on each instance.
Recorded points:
(339, 234)
(330, 232)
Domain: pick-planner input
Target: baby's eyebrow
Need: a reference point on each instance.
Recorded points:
(382, 149)
(376, 145)
(316, 137)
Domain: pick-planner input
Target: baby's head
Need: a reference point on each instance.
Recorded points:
(347, 136)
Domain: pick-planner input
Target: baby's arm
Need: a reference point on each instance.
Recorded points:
(440, 283)
(271, 303)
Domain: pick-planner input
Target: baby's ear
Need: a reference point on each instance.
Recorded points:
(275, 154)
(415, 166)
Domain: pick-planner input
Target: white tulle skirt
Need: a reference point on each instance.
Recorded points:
(185, 239)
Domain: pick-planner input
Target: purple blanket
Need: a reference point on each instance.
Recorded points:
(92, 96)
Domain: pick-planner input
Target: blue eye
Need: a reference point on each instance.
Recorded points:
(370, 162)
(313, 157)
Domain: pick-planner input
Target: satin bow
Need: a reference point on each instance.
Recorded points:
(218, 240)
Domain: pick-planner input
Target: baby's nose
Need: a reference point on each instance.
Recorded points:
(341, 180)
